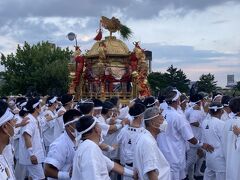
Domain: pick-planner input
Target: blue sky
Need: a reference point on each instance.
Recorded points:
(197, 36)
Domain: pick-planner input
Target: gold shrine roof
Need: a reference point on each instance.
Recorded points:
(114, 47)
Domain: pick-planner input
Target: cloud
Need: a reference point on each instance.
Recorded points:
(195, 62)
(190, 34)
(93, 8)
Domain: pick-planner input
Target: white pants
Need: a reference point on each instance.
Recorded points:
(213, 175)
(35, 171)
(191, 158)
(178, 174)
(20, 170)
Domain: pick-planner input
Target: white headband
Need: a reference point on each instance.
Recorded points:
(225, 105)
(23, 104)
(98, 108)
(87, 102)
(7, 116)
(215, 108)
(151, 117)
(89, 128)
(219, 95)
(74, 120)
(53, 100)
(152, 103)
(79, 137)
(177, 95)
(183, 101)
(36, 104)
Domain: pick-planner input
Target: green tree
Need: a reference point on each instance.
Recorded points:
(207, 83)
(157, 81)
(41, 67)
(177, 78)
(173, 77)
(238, 86)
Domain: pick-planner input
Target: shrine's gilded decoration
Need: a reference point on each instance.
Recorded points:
(109, 68)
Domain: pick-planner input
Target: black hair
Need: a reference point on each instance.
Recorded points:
(30, 103)
(136, 109)
(234, 104)
(215, 93)
(169, 97)
(84, 107)
(138, 100)
(183, 97)
(196, 98)
(66, 98)
(84, 123)
(97, 102)
(107, 105)
(3, 107)
(149, 101)
(22, 112)
(114, 100)
(19, 100)
(161, 98)
(4, 98)
(70, 114)
(225, 99)
(48, 103)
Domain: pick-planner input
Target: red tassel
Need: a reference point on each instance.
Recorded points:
(99, 35)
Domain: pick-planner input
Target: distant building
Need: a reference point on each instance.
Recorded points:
(230, 81)
(149, 60)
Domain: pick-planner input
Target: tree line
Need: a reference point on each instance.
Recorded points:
(43, 68)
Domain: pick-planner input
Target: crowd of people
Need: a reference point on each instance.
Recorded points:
(171, 137)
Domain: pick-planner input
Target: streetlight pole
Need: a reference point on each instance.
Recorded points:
(72, 36)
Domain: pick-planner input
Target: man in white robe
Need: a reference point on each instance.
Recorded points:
(231, 142)
(227, 110)
(129, 134)
(67, 103)
(89, 161)
(172, 143)
(212, 128)
(48, 128)
(148, 159)
(195, 118)
(6, 132)
(31, 142)
(59, 161)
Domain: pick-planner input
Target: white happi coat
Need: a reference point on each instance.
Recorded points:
(212, 129)
(231, 149)
(34, 130)
(6, 172)
(172, 143)
(48, 128)
(103, 125)
(225, 116)
(59, 124)
(196, 116)
(126, 141)
(90, 163)
(17, 136)
(148, 157)
(61, 153)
